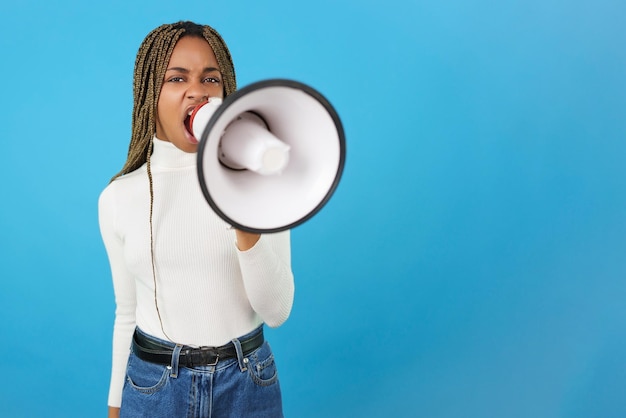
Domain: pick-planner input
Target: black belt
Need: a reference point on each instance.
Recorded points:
(154, 352)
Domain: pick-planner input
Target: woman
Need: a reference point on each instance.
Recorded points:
(192, 293)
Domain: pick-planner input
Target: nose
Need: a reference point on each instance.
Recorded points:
(198, 91)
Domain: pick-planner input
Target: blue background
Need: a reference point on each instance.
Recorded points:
(471, 262)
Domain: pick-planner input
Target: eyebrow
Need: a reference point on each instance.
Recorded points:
(186, 71)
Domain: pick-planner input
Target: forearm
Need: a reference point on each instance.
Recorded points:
(124, 290)
(268, 279)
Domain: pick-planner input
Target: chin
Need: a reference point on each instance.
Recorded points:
(187, 144)
(190, 148)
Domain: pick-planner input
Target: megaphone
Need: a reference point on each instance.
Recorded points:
(270, 155)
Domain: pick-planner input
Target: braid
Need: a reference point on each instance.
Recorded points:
(225, 61)
(150, 66)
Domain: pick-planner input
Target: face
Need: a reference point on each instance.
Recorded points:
(192, 77)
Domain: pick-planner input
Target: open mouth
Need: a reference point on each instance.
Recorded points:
(189, 122)
(191, 114)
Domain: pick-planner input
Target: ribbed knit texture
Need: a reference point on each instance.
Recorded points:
(208, 291)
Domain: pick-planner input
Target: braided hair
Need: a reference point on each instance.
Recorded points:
(150, 66)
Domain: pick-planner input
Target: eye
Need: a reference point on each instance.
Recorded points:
(175, 79)
(212, 80)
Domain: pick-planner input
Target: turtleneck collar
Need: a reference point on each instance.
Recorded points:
(167, 155)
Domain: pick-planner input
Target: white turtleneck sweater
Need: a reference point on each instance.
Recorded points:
(209, 292)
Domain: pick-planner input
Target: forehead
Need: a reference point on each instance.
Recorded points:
(192, 51)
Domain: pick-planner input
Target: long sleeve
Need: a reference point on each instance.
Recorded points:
(267, 277)
(124, 289)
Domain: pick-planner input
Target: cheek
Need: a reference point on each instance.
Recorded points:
(166, 111)
(167, 98)
(217, 91)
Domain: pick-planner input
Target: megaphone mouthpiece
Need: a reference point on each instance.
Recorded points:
(200, 116)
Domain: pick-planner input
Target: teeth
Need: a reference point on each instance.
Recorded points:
(190, 112)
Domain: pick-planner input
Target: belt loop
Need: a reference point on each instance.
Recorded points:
(243, 362)
(175, 358)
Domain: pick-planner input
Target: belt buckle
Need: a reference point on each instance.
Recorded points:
(205, 352)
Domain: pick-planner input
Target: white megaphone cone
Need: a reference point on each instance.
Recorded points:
(270, 155)
(246, 143)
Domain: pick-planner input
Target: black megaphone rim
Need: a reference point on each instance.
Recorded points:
(227, 102)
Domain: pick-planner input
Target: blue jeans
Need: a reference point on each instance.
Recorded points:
(237, 387)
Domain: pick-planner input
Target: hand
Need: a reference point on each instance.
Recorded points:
(246, 240)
